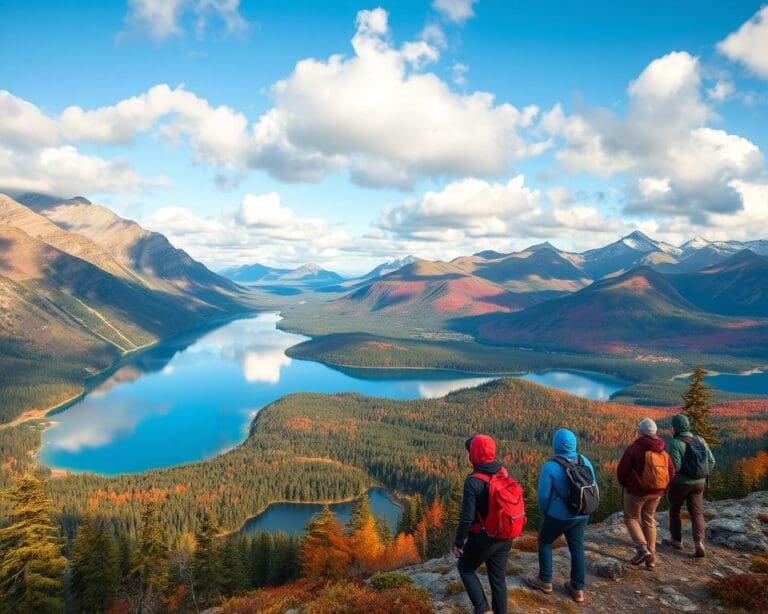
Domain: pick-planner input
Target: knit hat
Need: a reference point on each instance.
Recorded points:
(647, 427)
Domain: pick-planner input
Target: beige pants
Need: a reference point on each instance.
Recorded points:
(639, 516)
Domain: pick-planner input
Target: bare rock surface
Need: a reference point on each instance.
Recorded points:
(735, 530)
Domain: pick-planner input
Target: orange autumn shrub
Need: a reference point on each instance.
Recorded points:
(353, 598)
(748, 591)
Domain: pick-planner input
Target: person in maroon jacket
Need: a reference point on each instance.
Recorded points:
(644, 472)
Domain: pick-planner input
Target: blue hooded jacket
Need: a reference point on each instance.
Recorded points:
(553, 487)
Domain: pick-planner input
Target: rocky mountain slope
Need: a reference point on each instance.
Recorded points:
(82, 286)
(736, 530)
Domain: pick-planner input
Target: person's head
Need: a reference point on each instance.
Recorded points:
(681, 424)
(564, 443)
(648, 427)
(482, 449)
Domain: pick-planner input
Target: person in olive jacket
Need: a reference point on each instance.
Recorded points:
(686, 489)
(640, 503)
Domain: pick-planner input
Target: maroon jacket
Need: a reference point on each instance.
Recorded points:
(632, 464)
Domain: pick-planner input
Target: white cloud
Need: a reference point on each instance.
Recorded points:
(722, 90)
(455, 10)
(675, 163)
(471, 207)
(64, 170)
(160, 19)
(459, 74)
(749, 44)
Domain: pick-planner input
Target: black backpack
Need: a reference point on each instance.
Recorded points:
(695, 464)
(583, 492)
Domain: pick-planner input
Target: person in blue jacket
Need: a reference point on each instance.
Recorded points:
(557, 520)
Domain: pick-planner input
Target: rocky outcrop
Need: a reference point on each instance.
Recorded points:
(736, 529)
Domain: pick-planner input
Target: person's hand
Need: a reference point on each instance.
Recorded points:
(457, 552)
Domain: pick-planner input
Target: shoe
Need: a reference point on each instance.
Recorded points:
(576, 594)
(671, 542)
(641, 557)
(650, 563)
(700, 552)
(538, 584)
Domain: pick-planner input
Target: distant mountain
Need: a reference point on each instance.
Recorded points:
(540, 268)
(638, 309)
(636, 249)
(432, 289)
(311, 274)
(250, 273)
(737, 287)
(386, 268)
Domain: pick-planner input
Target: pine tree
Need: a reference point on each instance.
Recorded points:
(235, 577)
(279, 561)
(384, 530)
(360, 514)
(402, 552)
(31, 564)
(125, 556)
(205, 565)
(260, 553)
(696, 407)
(326, 552)
(453, 509)
(95, 567)
(150, 571)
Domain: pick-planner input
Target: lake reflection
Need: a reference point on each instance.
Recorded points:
(194, 396)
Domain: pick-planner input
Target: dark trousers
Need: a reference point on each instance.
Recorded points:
(693, 496)
(552, 528)
(480, 549)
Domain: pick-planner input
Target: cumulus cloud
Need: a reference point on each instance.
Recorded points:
(749, 44)
(161, 19)
(674, 162)
(455, 10)
(473, 207)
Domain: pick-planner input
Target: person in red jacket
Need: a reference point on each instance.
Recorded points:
(644, 472)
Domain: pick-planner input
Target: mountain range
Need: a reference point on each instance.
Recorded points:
(636, 292)
(310, 275)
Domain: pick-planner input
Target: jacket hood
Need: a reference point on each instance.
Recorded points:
(649, 442)
(681, 424)
(564, 443)
(482, 450)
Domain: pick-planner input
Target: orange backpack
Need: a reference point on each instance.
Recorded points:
(655, 471)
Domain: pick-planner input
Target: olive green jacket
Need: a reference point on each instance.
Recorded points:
(676, 449)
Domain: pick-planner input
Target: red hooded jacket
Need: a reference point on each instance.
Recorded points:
(632, 464)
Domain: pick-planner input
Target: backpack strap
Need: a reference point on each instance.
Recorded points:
(484, 477)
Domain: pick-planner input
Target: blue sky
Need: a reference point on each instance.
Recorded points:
(413, 140)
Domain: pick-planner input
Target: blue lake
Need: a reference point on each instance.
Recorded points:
(752, 383)
(292, 517)
(193, 397)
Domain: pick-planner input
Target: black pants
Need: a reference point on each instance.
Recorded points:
(481, 549)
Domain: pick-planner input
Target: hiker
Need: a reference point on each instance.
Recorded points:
(693, 461)
(567, 495)
(644, 472)
(492, 515)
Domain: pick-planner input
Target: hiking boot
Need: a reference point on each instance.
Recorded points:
(641, 557)
(700, 553)
(671, 542)
(650, 563)
(538, 584)
(576, 594)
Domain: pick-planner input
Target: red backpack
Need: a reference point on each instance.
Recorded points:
(506, 506)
